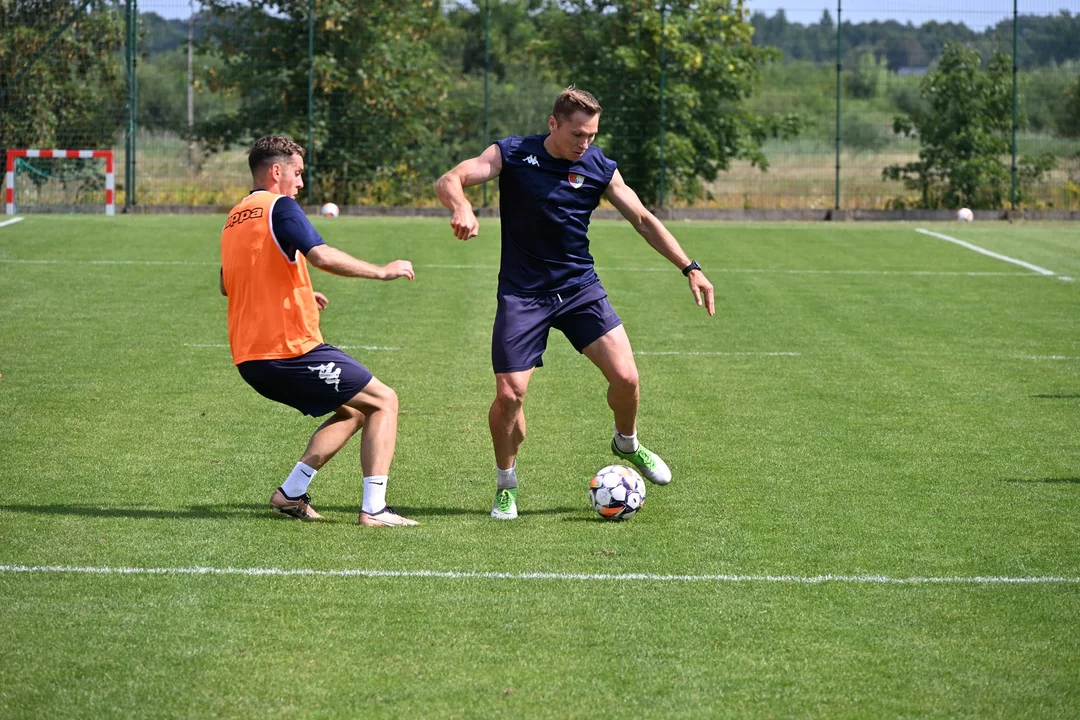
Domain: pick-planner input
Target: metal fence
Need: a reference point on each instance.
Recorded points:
(844, 69)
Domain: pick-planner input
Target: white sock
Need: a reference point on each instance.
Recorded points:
(297, 483)
(507, 478)
(374, 494)
(626, 443)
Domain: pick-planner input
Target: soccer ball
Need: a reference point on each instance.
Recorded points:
(965, 215)
(617, 492)
(329, 210)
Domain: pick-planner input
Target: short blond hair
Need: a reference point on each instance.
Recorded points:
(572, 100)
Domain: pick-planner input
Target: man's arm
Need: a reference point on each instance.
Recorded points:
(451, 189)
(626, 201)
(338, 262)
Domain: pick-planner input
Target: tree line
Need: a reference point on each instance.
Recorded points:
(398, 85)
(1043, 40)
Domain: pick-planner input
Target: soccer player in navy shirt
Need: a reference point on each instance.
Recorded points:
(549, 185)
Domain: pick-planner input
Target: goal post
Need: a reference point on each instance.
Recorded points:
(14, 155)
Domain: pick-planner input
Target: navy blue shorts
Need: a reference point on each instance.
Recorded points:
(522, 323)
(315, 383)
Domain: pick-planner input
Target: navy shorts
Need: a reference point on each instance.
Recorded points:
(315, 383)
(522, 322)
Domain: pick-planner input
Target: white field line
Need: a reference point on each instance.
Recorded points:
(692, 352)
(773, 271)
(1049, 357)
(568, 577)
(339, 347)
(12, 221)
(988, 253)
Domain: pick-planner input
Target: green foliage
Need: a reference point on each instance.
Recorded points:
(868, 78)
(73, 95)
(1069, 123)
(859, 135)
(612, 49)
(964, 134)
(1044, 39)
(378, 98)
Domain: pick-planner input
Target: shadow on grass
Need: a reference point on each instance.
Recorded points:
(1059, 396)
(1074, 480)
(233, 512)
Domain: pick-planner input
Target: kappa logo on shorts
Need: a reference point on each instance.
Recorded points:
(576, 180)
(329, 373)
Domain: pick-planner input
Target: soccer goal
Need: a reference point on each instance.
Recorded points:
(60, 181)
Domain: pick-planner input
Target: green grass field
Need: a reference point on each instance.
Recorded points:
(870, 403)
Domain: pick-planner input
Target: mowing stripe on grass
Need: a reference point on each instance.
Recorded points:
(572, 577)
(339, 347)
(12, 221)
(1049, 357)
(984, 251)
(777, 271)
(694, 352)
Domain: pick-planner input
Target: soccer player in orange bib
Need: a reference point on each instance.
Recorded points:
(275, 339)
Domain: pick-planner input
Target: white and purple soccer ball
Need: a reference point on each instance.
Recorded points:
(329, 210)
(965, 215)
(617, 492)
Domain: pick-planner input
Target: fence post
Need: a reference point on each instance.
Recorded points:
(839, 25)
(1012, 203)
(310, 98)
(131, 22)
(663, 82)
(487, 71)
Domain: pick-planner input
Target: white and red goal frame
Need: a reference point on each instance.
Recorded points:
(106, 155)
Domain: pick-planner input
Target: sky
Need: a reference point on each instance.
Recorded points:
(976, 14)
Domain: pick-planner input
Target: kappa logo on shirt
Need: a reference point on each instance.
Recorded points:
(243, 216)
(329, 373)
(576, 180)
(532, 161)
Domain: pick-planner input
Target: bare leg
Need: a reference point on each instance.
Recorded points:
(378, 405)
(613, 355)
(332, 436)
(506, 418)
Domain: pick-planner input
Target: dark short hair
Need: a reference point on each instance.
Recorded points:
(572, 100)
(271, 149)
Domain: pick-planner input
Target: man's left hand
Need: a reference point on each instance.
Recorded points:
(321, 300)
(702, 290)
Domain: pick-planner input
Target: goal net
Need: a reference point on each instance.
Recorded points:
(60, 181)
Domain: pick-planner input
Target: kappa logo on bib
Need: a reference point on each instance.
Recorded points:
(576, 180)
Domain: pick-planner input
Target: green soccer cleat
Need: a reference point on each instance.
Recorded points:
(649, 464)
(505, 507)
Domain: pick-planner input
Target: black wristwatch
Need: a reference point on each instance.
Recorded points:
(691, 268)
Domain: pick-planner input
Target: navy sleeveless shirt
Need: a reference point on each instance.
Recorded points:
(545, 204)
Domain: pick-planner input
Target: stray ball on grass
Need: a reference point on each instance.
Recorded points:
(329, 210)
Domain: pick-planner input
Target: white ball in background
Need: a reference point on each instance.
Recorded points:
(965, 215)
(329, 210)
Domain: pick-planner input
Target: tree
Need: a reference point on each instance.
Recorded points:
(378, 89)
(72, 96)
(612, 49)
(963, 129)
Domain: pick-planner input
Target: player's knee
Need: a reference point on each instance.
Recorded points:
(510, 398)
(626, 381)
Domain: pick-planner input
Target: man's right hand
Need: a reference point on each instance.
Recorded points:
(464, 223)
(396, 269)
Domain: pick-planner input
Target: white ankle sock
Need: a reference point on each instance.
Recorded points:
(374, 494)
(626, 443)
(507, 478)
(297, 483)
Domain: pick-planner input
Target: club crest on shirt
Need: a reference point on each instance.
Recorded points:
(576, 180)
